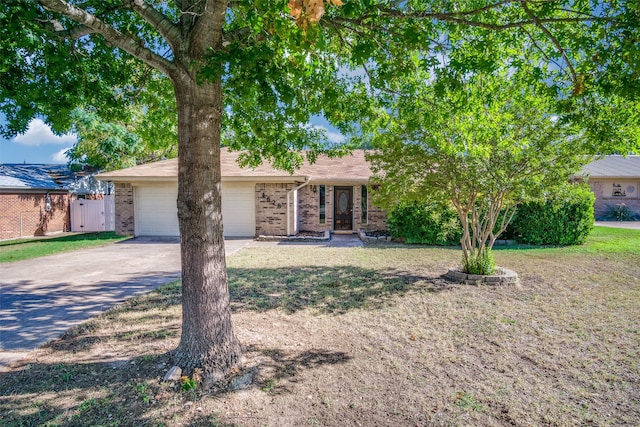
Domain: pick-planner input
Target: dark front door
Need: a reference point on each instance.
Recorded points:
(343, 208)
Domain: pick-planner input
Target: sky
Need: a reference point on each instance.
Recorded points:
(37, 145)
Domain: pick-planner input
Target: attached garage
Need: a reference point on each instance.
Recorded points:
(239, 209)
(156, 213)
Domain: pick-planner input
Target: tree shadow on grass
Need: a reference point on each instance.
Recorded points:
(328, 290)
(102, 389)
(129, 391)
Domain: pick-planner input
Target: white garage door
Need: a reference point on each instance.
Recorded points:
(239, 209)
(156, 210)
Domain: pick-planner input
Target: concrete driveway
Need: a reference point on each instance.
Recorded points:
(42, 298)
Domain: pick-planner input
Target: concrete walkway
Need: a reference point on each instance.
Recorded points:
(42, 298)
(634, 225)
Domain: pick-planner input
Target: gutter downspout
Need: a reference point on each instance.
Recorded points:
(306, 182)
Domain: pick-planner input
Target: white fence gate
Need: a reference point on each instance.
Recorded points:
(93, 215)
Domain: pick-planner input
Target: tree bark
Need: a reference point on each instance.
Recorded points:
(207, 340)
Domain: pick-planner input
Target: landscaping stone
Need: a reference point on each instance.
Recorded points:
(503, 276)
(174, 374)
(375, 237)
(326, 235)
(241, 382)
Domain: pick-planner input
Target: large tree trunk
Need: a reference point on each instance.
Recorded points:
(207, 340)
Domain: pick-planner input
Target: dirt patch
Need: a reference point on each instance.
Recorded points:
(363, 336)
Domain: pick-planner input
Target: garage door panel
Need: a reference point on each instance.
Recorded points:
(238, 209)
(157, 213)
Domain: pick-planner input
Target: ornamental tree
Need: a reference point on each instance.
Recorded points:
(484, 146)
(255, 72)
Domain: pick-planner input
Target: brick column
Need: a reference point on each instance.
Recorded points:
(125, 225)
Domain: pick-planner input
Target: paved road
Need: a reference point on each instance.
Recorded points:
(42, 298)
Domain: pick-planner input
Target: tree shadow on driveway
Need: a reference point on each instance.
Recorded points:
(33, 314)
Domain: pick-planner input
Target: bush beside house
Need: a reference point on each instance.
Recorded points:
(425, 223)
(565, 218)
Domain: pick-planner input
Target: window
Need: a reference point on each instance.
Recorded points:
(322, 204)
(364, 204)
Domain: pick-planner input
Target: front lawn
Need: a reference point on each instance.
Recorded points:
(16, 250)
(368, 336)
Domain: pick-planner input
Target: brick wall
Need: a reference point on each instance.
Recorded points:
(271, 209)
(376, 217)
(125, 225)
(309, 209)
(25, 214)
(603, 203)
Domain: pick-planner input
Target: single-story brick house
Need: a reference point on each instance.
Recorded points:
(614, 180)
(329, 195)
(33, 200)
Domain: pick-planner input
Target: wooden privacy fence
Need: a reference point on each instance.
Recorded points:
(93, 215)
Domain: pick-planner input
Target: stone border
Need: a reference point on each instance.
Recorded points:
(263, 238)
(363, 236)
(503, 276)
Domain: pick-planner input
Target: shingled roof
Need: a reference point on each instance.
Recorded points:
(34, 177)
(353, 167)
(614, 167)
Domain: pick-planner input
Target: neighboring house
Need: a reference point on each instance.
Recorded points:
(35, 199)
(614, 180)
(329, 195)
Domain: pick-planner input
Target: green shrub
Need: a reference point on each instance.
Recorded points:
(483, 263)
(425, 223)
(566, 218)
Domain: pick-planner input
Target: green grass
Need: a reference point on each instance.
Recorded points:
(17, 250)
(611, 240)
(602, 240)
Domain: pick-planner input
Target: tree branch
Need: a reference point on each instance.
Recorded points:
(159, 21)
(208, 21)
(58, 30)
(130, 45)
(461, 18)
(553, 39)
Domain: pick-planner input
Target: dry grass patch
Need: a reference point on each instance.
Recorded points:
(366, 336)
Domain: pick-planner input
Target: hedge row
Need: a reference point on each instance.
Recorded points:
(565, 218)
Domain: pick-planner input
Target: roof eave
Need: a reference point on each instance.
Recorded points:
(166, 179)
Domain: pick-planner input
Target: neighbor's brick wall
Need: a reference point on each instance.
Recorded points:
(271, 209)
(603, 204)
(125, 225)
(24, 215)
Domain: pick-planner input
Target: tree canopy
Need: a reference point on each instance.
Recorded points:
(484, 146)
(276, 75)
(145, 131)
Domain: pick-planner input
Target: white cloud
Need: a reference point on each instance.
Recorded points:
(60, 156)
(335, 137)
(39, 133)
